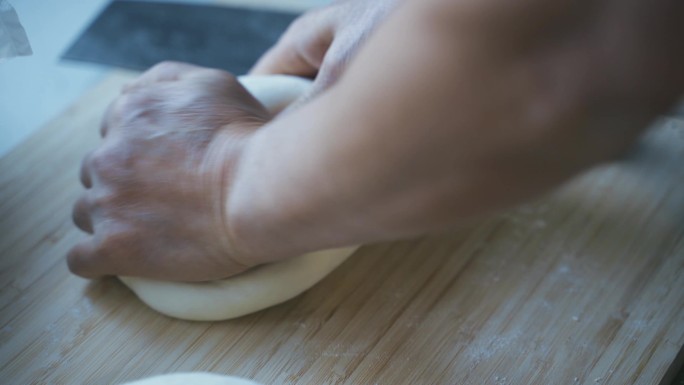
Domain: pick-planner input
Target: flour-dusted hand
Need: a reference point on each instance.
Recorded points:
(156, 187)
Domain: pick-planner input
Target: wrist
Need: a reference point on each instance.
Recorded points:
(254, 220)
(274, 210)
(219, 169)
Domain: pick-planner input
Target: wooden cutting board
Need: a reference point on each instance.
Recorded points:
(585, 286)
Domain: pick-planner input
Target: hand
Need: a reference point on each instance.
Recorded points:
(453, 110)
(321, 43)
(157, 186)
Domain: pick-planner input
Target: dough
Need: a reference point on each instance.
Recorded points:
(195, 378)
(260, 287)
(276, 92)
(256, 289)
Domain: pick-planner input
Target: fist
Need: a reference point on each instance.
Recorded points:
(156, 188)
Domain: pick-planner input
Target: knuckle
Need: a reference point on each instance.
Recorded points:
(305, 20)
(300, 26)
(104, 201)
(81, 208)
(314, 19)
(113, 241)
(164, 66)
(218, 75)
(302, 22)
(84, 171)
(123, 102)
(128, 101)
(118, 245)
(110, 241)
(101, 160)
(116, 110)
(78, 260)
(87, 160)
(126, 107)
(111, 164)
(112, 113)
(74, 261)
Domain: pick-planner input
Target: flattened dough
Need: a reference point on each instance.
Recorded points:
(194, 378)
(258, 288)
(246, 293)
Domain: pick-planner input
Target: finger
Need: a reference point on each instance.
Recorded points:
(163, 72)
(81, 215)
(107, 118)
(113, 114)
(324, 80)
(287, 60)
(300, 51)
(84, 173)
(283, 60)
(82, 260)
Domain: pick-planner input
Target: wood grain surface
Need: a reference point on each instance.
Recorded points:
(585, 286)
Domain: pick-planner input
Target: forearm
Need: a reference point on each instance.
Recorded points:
(434, 123)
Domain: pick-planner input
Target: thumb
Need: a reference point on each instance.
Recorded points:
(301, 49)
